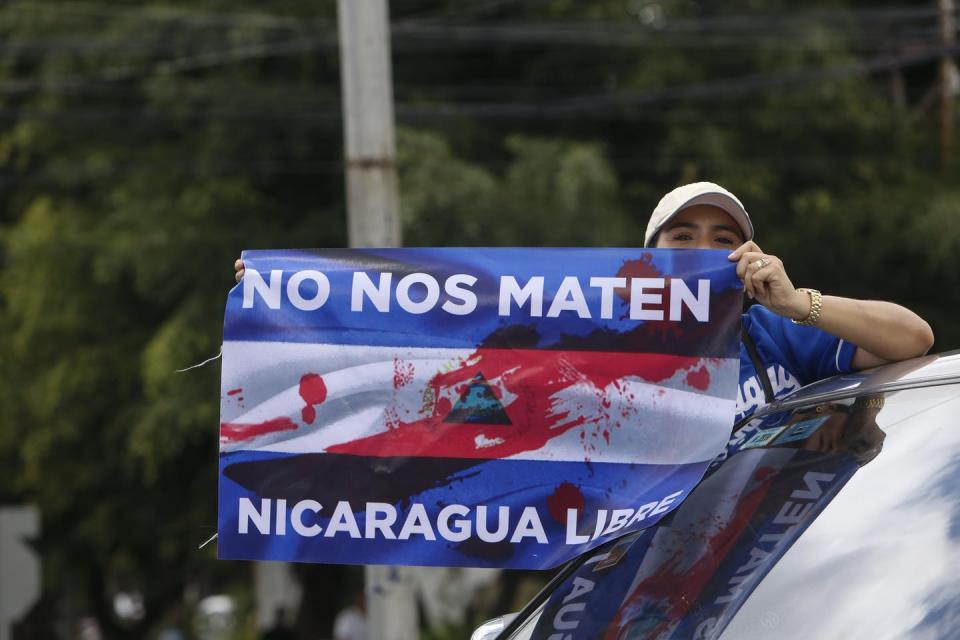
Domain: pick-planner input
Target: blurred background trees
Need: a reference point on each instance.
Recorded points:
(144, 145)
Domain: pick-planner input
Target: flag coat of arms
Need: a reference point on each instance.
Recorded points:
(469, 407)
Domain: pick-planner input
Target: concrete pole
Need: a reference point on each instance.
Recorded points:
(373, 208)
(275, 586)
(373, 212)
(19, 566)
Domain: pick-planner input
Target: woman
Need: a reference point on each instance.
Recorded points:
(793, 336)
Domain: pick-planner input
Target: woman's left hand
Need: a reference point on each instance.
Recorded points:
(882, 331)
(765, 280)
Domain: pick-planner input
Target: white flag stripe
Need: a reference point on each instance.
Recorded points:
(646, 424)
(623, 422)
(356, 400)
(258, 368)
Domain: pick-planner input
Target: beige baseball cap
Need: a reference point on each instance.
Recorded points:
(697, 193)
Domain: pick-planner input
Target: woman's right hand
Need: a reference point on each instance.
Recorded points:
(238, 267)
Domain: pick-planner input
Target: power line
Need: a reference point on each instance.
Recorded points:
(474, 9)
(744, 31)
(733, 23)
(168, 14)
(588, 105)
(619, 101)
(194, 62)
(585, 106)
(204, 60)
(417, 37)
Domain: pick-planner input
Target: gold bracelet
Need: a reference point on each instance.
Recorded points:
(868, 402)
(816, 304)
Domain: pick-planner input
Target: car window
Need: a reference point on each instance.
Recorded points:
(882, 559)
(870, 484)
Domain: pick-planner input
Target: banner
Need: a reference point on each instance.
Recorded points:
(469, 407)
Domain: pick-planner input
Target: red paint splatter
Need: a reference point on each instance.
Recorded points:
(444, 406)
(566, 496)
(699, 378)
(314, 392)
(403, 373)
(391, 419)
(763, 473)
(233, 431)
(642, 268)
(531, 375)
(234, 392)
(676, 583)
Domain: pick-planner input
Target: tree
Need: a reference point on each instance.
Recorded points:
(144, 145)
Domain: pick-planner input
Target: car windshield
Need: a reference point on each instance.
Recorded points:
(873, 486)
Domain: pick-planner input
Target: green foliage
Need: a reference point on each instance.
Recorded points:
(435, 183)
(550, 193)
(144, 145)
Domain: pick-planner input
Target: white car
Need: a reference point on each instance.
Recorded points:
(835, 513)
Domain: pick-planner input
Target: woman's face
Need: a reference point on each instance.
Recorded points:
(701, 226)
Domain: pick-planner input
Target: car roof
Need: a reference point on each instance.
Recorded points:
(880, 559)
(893, 528)
(925, 371)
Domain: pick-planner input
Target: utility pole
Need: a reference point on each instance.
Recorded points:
(373, 213)
(366, 83)
(948, 81)
(20, 579)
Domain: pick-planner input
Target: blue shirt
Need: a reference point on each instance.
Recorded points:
(793, 356)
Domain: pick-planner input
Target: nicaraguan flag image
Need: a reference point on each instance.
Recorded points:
(469, 407)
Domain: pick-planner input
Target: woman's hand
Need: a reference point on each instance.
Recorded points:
(882, 331)
(238, 267)
(765, 280)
